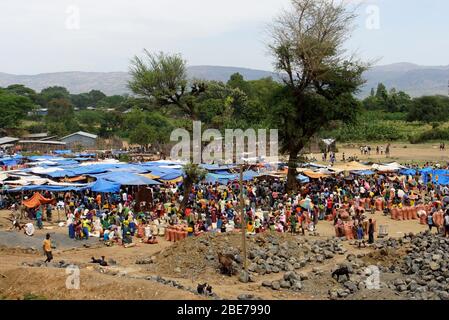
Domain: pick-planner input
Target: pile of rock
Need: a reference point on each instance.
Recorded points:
(426, 267)
(290, 281)
(175, 284)
(146, 260)
(245, 296)
(358, 274)
(267, 253)
(271, 256)
(42, 264)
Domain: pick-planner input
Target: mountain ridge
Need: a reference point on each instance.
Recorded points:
(414, 79)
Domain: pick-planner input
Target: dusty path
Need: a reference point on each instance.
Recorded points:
(50, 282)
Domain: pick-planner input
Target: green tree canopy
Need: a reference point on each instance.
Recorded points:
(429, 109)
(307, 45)
(162, 79)
(13, 108)
(50, 93)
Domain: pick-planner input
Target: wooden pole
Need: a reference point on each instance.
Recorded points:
(242, 208)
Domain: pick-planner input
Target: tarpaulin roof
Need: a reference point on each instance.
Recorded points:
(52, 188)
(171, 176)
(221, 178)
(62, 152)
(408, 172)
(350, 166)
(36, 200)
(127, 179)
(150, 176)
(250, 174)
(388, 167)
(315, 175)
(177, 180)
(216, 167)
(440, 177)
(105, 186)
(302, 179)
(9, 162)
(364, 173)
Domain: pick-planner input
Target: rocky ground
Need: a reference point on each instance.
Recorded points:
(280, 266)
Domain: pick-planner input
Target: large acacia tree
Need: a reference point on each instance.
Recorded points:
(320, 78)
(162, 80)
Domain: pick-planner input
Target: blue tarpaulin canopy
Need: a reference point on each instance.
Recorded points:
(62, 152)
(127, 179)
(8, 162)
(221, 178)
(105, 186)
(440, 177)
(250, 175)
(364, 173)
(50, 188)
(216, 167)
(408, 172)
(302, 179)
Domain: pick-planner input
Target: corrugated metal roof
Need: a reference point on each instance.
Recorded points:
(81, 133)
(43, 142)
(37, 135)
(6, 140)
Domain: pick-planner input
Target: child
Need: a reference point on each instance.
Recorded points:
(360, 235)
(39, 218)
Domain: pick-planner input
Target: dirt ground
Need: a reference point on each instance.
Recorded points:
(126, 279)
(400, 152)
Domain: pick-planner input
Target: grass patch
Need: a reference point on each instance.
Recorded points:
(32, 296)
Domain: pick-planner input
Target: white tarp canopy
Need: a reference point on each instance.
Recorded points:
(388, 167)
(328, 142)
(41, 170)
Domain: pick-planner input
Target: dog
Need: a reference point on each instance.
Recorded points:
(209, 289)
(340, 272)
(226, 262)
(204, 289)
(201, 288)
(100, 261)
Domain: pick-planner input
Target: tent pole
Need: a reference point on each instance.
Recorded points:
(242, 208)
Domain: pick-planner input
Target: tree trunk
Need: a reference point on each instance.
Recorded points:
(187, 187)
(292, 183)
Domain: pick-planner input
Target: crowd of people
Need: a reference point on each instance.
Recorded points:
(380, 150)
(120, 218)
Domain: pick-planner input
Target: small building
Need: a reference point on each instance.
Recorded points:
(7, 143)
(40, 146)
(35, 136)
(8, 140)
(38, 112)
(80, 139)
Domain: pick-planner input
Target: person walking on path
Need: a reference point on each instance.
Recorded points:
(446, 224)
(39, 218)
(430, 221)
(371, 232)
(47, 248)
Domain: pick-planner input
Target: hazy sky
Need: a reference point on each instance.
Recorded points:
(103, 35)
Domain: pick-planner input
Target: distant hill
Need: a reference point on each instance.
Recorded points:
(116, 82)
(414, 79)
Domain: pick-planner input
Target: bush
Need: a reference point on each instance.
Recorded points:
(430, 135)
(32, 296)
